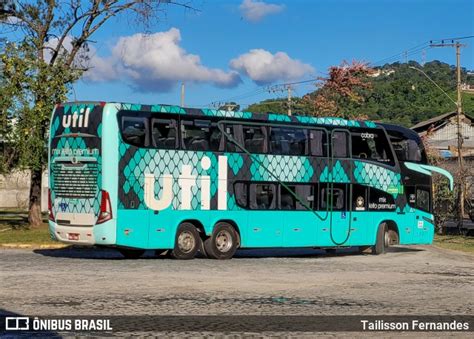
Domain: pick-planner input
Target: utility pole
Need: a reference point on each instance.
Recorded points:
(458, 46)
(288, 88)
(182, 94)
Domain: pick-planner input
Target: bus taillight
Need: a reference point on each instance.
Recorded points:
(50, 206)
(105, 208)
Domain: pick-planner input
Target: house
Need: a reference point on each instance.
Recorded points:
(441, 134)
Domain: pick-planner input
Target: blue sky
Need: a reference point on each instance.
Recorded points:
(232, 48)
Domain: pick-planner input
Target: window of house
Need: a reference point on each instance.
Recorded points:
(262, 196)
(288, 141)
(135, 131)
(164, 133)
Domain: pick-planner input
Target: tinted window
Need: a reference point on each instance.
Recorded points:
(333, 198)
(164, 133)
(423, 199)
(236, 132)
(241, 194)
(262, 196)
(340, 144)
(135, 131)
(288, 141)
(255, 139)
(289, 202)
(201, 135)
(359, 197)
(380, 200)
(318, 143)
(371, 145)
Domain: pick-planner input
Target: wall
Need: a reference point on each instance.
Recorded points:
(15, 189)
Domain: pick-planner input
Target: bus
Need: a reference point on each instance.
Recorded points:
(159, 177)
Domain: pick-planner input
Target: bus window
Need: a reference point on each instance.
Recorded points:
(335, 195)
(164, 133)
(135, 131)
(423, 199)
(200, 135)
(380, 200)
(340, 144)
(241, 194)
(318, 143)
(303, 192)
(288, 141)
(236, 132)
(262, 196)
(371, 145)
(359, 197)
(255, 139)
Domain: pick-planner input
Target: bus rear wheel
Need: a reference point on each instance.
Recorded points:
(223, 242)
(129, 253)
(187, 242)
(382, 240)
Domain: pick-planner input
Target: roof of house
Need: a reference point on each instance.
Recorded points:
(424, 125)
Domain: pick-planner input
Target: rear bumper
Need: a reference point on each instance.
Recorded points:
(72, 234)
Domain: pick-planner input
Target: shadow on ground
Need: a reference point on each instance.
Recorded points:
(103, 253)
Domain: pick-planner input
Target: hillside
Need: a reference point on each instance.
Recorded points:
(400, 95)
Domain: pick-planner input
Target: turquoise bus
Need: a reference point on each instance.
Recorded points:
(159, 177)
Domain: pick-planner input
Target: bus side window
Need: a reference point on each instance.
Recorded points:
(288, 141)
(236, 132)
(241, 194)
(359, 197)
(340, 144)
(164, 133)
(135, 131)
(318, 143)
(304, 193)
(380, 200)
(371, 144)
(423, 198)
(201, 135)
(335, 195)
(262, 196)
(255, 139)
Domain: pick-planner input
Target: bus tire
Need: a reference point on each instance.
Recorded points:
(223, 242)
(381, 240)
(129, 253)
(187, 242)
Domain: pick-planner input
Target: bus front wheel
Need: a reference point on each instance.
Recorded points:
(382, 240)
(223, 242)
(187, 242)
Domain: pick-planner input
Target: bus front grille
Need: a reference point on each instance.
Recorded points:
(75, 180)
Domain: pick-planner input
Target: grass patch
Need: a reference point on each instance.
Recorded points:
(455, 242)
(37, 236)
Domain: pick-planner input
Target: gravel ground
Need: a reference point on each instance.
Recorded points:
(421, 280)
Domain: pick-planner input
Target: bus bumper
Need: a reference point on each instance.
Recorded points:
(72, 234)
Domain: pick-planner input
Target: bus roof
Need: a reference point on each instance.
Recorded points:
(273, 117)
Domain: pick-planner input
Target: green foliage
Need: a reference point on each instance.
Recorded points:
(30, 88)
(399, 95)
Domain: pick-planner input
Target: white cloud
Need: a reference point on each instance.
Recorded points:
(255, 10)
(156, 62)
(264, 67)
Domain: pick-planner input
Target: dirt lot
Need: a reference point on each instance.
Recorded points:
(406, 281)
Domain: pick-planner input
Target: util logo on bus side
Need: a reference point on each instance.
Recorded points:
(77, 119)
(186, 181)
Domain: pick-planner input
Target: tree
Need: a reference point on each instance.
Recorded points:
(39, 68)
(346, 86)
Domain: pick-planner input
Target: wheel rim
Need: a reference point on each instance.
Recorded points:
(186, 242)
(224, 241)
(387, 239)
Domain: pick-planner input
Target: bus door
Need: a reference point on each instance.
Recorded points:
(407, 231)
(336, 195)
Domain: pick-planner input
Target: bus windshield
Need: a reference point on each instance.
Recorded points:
(407, 144)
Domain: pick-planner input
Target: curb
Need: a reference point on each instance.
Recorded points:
(32, 246)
